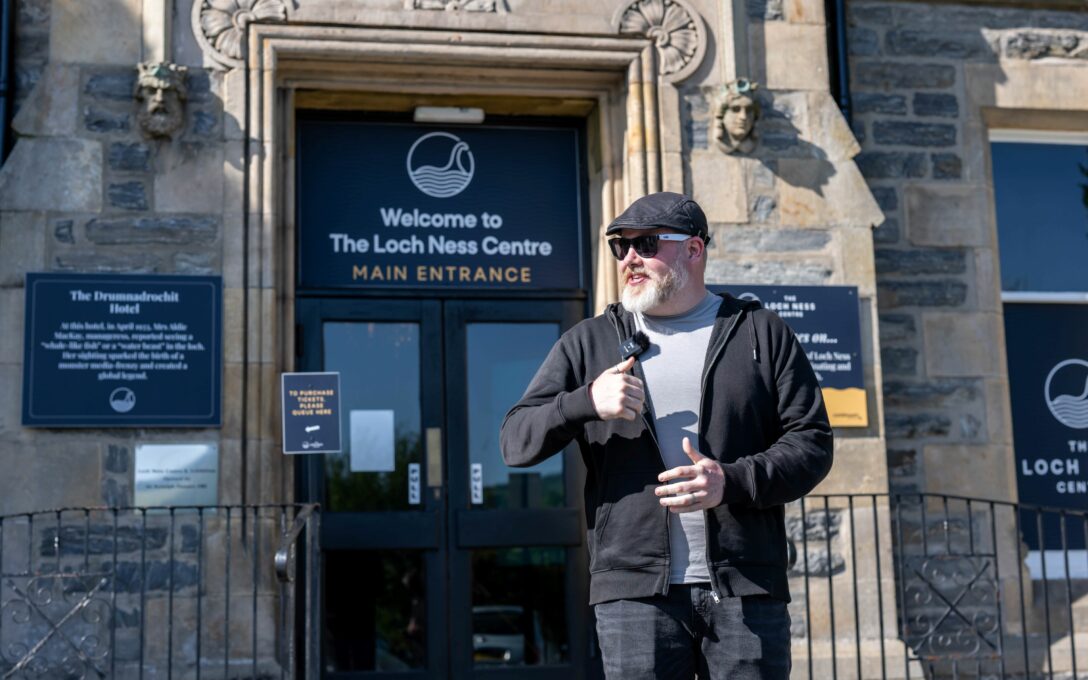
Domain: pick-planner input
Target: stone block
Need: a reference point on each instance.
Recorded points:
(129, 157)
(887, 232)
(878, 15)
(127, 195)
(32, 14)
(182, 230)
(12, 306)
(118, 85)
(891, 164)
(916, 425)
(940, 293)
(203, 124)
(965, 343)
(894, 75)
(899, 360)
(763, 209)
(863, 42)
(52, 174)
(52, 475)
(718, 186)
(902, 464)
(897, 327)
(906, 133)
(22, 246)
(52, 108)
(97, 119)
(936, 104)
(189, 178)
(876, 102)
(886, 197)
(931, 393)
(1034, 44)
(998, 413)
(63, 231)
(747, 240)
(923, 261)
(860, 467)
(988, 287)
(947, 44)
(202, 264)
(973, 471)
(791, 56)
(801, 272)
(815, 192)
(118, 458)
(96, 31)
(946, 215)
(946, 166)
(804, 11)
(765, 10)
(124, 263)
(826, 128)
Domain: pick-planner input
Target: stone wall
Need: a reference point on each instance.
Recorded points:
(925, 156)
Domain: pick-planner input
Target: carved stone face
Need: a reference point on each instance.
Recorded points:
(161, 112)
(736, 121)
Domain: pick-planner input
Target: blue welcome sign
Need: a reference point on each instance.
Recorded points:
(108, 350)
(390, 205)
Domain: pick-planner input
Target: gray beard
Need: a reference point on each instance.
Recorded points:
(656, 293)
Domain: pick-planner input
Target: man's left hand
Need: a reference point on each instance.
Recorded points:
(700, 486)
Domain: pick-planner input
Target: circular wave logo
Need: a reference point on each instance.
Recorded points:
(122, 399)
(1068, 398)
(440, 164)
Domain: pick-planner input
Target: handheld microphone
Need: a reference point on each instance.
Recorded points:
(634, 345)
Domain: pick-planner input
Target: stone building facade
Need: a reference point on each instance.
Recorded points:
(895, 200)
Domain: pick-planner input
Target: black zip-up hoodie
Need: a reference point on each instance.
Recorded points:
(761, 417)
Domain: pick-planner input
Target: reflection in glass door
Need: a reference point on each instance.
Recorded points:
(439, 561)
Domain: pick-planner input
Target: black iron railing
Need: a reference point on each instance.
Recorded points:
(157, 592)
(937, 586)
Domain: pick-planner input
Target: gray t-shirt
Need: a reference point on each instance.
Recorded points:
(673, 366)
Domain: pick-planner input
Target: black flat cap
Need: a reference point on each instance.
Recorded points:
(663, 210)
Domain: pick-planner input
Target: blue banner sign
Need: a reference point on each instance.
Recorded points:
(388, 205)
(111, 350)
(311, 412)
(1048, 385)
(826, 322)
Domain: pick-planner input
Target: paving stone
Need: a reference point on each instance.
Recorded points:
(127, 195)
(129, 157)
(920, 261)
(891, 164)
(907, 133)
(942, 293)
(893, 75)
(876, 102)
(936, 104)
(959, 45)
(947, 166)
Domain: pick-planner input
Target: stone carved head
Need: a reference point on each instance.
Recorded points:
(161, 92)
(735, 117)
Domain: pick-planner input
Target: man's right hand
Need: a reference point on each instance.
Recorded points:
(617, 394)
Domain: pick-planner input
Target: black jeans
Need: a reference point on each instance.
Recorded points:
(686, 633)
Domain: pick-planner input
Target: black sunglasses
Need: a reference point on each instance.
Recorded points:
(645, 246)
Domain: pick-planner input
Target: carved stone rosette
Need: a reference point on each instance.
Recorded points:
(676, 28)
(220, 26)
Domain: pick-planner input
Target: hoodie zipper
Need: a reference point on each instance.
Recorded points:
(714, 586)
(653, 436)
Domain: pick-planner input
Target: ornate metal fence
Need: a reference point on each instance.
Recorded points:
(208, 592)
(934, 586)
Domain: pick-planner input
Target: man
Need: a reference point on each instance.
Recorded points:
(691, 449)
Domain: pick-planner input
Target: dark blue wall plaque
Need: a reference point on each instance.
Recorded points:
(109, 350)
(390, 205)
(1048, 386)
(311, 412)
(826, 322)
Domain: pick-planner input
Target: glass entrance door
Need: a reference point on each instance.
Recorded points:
(438, 560)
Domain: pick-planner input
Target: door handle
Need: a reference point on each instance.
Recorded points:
(434, 457)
